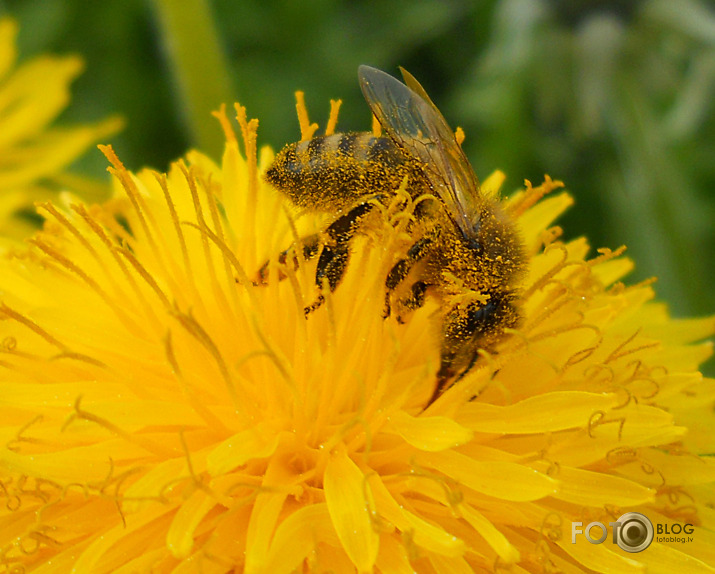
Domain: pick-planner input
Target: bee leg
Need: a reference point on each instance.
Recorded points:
(310, 245)
(401, 269)
(444, 376)
(333, 260)
(415, 300)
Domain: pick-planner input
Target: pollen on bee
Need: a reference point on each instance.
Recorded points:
(459, 135)
(376, 127)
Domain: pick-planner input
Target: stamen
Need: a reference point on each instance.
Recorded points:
(211, 420)
(599, 418)
(148, 277)
(30, 324)
(333, 118)
(226, 126)
(532, 195)
(135, 198)
(605, 254)
(188, 271)
(279, 359)
(551, 526)
(557, 303)
(115, 225)
(115, 251)
(307, 130)
(14, 443)
(621, 351)
(218, 226)
(81, 210)
(242, 277)
(541, 282)
(583, 354)
(67, 224)
(197, 331)
(79, 357)
(198, 210)
(249, 130)
(132, 438)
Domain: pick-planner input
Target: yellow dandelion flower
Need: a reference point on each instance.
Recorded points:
(161, 412)
(33, 155)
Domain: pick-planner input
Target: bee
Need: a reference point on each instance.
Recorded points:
(464, 241)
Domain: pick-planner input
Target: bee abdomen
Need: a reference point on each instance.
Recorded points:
(329, 172)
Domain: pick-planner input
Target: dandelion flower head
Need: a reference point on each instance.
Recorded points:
(161, 412)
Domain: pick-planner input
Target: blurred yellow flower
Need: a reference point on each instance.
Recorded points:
(33, 155)
(162, 413)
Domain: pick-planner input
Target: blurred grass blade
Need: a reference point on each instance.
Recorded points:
(198, 65)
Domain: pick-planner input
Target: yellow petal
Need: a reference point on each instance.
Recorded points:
(350, 505)
(662, 559)
(671, 469)
(600, 557)
(682, 330)
(104, 542)
(543, 413)
(136, 414)
(450, 565)
(261, 527)
(257, 442)
(144, 562)
(496, 539)
(71, 465)
(430, 537)
(429, 433)
(180, 538)
(60, 395)
(296, 537)
(539, 217)
(393, 557)
(613, 270)
(506, 480)
(588, 488)
(492, 184)
(152, 484)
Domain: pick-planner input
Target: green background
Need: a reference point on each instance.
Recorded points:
(614, 98)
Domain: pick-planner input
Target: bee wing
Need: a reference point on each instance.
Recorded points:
(410, 118)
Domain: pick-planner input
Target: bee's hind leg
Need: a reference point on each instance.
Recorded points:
(334, 256)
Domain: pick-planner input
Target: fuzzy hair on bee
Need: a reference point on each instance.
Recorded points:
(465, 242)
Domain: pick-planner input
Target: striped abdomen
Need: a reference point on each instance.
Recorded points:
(330, 172)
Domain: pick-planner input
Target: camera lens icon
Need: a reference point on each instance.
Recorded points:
(635, 532)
